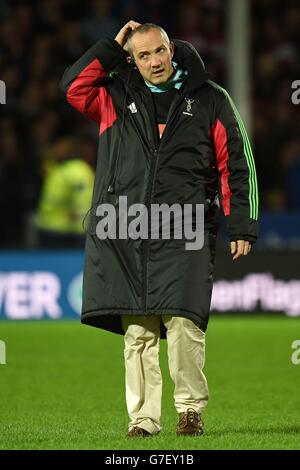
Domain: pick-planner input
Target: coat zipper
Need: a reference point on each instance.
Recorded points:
(145, 241)
(149, 202)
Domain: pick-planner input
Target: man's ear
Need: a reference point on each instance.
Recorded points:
(131, 61)
(172, 47)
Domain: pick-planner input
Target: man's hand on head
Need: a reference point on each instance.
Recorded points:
(122, 35)
(240, 248)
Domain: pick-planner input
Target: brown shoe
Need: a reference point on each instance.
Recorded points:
(190, 424)
(138, 432)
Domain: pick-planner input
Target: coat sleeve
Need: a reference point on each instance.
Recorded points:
(83, 82)
(236, 167)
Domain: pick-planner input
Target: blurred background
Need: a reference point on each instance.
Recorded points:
(48, 150)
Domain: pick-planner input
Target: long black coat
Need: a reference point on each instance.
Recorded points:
(204, 153)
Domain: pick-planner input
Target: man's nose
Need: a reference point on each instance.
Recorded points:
(155, 62)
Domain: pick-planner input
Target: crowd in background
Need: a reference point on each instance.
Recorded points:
(39, 39)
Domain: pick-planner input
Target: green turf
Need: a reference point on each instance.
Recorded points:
(63, 388)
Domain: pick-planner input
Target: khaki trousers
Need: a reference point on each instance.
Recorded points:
(186, 357)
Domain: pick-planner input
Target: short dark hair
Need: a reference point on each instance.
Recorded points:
(144, 28)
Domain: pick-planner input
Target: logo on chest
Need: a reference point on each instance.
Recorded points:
(189, 103)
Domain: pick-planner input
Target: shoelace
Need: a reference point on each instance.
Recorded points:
(191, 416)
(188, 417)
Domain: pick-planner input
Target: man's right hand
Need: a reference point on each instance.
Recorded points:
(122, 35)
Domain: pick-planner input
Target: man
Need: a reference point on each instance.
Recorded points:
(168, 135)
(66, 195)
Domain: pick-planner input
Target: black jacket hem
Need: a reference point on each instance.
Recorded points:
(106, 318)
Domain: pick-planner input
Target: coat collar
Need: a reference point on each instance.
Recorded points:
(187, 56)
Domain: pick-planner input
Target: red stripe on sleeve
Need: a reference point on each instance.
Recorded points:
(108, 112)
(220, 141)
(90, 99)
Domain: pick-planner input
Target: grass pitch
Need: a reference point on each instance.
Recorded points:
(63, 388)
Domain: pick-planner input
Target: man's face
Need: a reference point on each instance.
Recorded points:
(153, 56)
